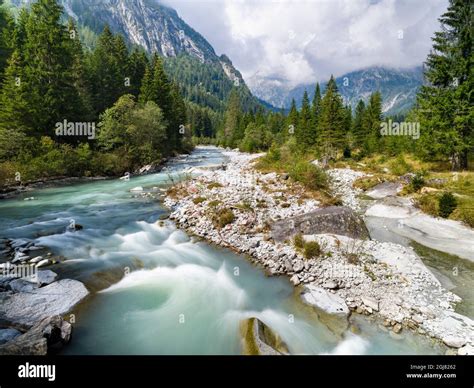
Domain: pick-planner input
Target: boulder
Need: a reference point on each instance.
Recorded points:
(7, 335)
(385, 189)
(21, 285)
(466, 350)
(324, 300)
(454, 342)
(26, 309)
(259, 339)
(46, 277)
(339, 220)
(50, 334)
(370, 302)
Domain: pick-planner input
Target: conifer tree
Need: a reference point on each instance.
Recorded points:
(446, 104)
(332, 121)
(291, 120)
(304, 133)
(358, 133)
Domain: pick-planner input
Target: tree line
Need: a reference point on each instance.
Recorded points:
(47, 77)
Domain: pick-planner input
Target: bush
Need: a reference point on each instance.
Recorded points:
(312, 250)
(417, 182)
(400, 166)
(298, 241)
(447, 204)
(428, 203)
(223, 218)
(198, 200)
(309, 175)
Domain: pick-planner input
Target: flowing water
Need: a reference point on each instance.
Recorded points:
(155, 290)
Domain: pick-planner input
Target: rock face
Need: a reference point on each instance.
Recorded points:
(48, 335)
(338, 220)
(26, 309)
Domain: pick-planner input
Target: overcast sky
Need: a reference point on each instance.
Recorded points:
(306, 40)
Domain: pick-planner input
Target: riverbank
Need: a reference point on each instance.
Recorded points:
(351, 275)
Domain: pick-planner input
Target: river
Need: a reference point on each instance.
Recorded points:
(156, 290)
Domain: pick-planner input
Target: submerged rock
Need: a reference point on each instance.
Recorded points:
(338, 220)
(259, 339)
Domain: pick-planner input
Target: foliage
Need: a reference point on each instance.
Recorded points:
(447, 204)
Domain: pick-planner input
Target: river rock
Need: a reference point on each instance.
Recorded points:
(43, 263)
(7, 335)
(22, 285)
(454, 342)
(370, 302)
(339, 220)
(259, 339)
(298, 265)
(51, 333)
(467, 350)
(324, 300)
(26, 309)
(385, 189)
(46, 277)
(37, 259)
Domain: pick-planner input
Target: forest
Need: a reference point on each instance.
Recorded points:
(142, 111)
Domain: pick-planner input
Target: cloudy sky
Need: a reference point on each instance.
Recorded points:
(306, 40)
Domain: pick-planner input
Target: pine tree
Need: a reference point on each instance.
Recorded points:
(233, 128)
(358, 132)
(291, 120)
(6, 30)
(316, 106)
(446, 104)
(138, 62)
(108, 70)
(371, 123)
(332, 121)
(47, 69)
(304, 134)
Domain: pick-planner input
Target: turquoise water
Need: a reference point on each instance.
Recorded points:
(155, 290)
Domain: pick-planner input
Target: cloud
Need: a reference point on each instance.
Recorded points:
(301, 41)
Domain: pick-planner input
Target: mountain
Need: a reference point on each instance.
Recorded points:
(398, 88)
(158, 28)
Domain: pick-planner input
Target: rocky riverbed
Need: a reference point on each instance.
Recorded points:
(33, 300)
(352, 275)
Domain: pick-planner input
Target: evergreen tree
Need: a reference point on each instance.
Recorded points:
(108, 70)
(371, 123)
(291, 120)
(316, 107)
(6, 29)
(138, 62)
(446, 104)
(358, 132)
(332, 120)
(233, 131)
(304, 134)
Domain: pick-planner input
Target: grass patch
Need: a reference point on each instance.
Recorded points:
(311, 250)
(198, 200)
(213, 185)
(223, 217)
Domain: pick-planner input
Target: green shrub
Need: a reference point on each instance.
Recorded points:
(400, 166)
(312, 250)
(223, 218)
(417, 182)
(198, 200)
(309, 175)
(213, 185)
(447, 204)
(428, 203)
(298, 241)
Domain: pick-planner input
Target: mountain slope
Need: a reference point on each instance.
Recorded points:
(158, 28)
(398, 88)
